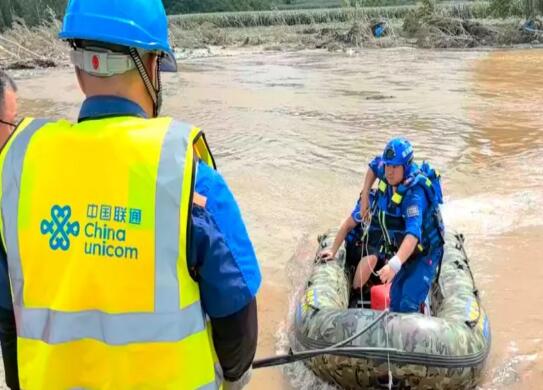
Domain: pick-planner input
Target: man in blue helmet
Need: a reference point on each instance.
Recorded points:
(129, 262)
(404, 235)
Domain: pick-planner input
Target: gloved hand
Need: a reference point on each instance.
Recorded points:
(240, 383)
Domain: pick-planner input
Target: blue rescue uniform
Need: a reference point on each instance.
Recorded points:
(413, 210)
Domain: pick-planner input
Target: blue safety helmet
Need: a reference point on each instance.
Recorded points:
(140, 24)
(398, 151)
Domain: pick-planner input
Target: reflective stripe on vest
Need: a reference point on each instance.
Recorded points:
(158, 316)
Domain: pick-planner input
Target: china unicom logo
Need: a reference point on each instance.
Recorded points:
(60, 228)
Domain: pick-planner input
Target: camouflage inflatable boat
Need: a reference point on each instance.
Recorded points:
(444, 351)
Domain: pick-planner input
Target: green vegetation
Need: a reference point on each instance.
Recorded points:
(480, 9)
(198, 6)
(526, 8)
(344, 25)
(310, 4)
(504, 8)
(33, 12)
(192, 6)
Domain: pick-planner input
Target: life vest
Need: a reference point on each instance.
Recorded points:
(388, 217)
(96, 220)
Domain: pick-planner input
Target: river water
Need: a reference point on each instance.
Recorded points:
(293, 133)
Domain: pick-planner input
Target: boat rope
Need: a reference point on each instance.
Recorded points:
(384, 229)
(336, 349)
(384, 314)
(366, 239)
(390, 379)
(293, 357)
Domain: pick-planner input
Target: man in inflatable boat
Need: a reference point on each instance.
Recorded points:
(397, 228)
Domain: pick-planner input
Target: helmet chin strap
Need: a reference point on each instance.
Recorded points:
(155, 93)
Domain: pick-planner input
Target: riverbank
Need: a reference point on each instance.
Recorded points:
(335, 30)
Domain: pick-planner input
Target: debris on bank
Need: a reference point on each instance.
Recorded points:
(22, 47)
(38, 47)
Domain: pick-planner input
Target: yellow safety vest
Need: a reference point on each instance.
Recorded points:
(95, 221)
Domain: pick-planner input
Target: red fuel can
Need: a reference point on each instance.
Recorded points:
(380, 296)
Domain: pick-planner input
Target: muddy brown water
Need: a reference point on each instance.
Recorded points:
(293, 132)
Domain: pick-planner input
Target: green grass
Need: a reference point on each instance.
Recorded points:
(312, 4)
(317, 16)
